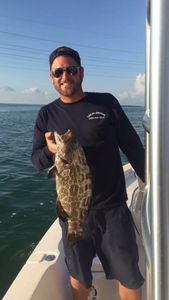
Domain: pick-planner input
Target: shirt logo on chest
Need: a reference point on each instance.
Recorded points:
(96, 115)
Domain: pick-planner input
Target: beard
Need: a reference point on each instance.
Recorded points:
(68, 88)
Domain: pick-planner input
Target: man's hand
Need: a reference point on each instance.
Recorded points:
(51, 142)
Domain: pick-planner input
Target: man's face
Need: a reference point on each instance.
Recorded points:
(67, 85)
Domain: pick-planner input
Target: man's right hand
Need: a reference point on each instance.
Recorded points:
(51, 142)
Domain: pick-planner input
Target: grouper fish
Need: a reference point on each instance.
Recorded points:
(73, 185)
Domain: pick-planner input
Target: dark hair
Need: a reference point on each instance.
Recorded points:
(64, 51)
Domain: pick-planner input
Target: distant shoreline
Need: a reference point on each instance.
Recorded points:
(35, 104)
(19, 104)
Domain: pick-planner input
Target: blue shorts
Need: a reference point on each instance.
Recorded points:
(111, 236)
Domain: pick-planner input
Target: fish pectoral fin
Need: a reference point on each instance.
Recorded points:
(61, 212)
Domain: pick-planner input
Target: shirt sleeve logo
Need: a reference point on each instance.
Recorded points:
(96, 115)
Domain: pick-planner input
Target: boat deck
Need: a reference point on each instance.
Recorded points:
(45, 276)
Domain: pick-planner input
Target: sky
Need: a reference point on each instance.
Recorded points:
(109, 36)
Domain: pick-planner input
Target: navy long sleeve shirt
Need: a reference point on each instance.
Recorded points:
(101, 127)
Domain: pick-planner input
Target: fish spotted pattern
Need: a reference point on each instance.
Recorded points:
(73, 185)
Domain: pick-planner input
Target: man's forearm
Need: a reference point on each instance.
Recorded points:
(42, 158)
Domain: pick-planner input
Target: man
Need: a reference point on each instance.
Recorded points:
(101, 127)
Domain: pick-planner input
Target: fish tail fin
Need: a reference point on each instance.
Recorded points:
(75, 234)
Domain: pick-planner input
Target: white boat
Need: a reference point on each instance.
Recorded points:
(45, 277)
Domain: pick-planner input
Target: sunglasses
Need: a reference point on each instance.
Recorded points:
(71, 70)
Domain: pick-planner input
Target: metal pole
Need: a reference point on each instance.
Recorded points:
(145, 212)
(159, 148)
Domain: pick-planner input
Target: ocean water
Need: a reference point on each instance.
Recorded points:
(27, 197)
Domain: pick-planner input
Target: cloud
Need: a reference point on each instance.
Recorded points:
(31, 91)
(6, 89)
(26, 94)
(124, 95)
(46, 93)
(36, 91)
(139, 86)
(137, 95)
